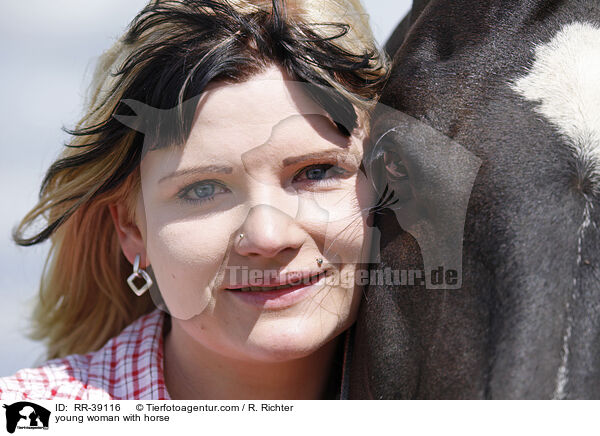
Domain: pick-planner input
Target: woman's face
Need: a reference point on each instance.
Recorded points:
(264, 160)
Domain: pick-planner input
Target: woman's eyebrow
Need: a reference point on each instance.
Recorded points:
(225, 169)
(205, 169)
(327, 154)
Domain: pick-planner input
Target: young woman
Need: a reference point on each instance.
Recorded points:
(217, 176)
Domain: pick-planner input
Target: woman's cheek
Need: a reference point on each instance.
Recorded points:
(186, 259)
(346, 226)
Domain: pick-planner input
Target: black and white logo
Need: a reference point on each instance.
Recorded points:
(26, 415)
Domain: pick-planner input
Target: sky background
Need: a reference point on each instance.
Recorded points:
(48, 51)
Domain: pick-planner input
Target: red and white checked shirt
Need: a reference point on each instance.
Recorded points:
(129, 366)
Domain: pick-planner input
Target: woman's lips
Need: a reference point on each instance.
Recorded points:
(291, 278)
(281, 298)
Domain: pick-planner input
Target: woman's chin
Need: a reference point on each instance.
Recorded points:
(282, 348)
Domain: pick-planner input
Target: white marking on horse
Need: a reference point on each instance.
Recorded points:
(562, 374)
(565, 81)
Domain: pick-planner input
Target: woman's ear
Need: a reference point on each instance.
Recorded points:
(130, 236)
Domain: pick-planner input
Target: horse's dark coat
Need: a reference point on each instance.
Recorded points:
(502, 334)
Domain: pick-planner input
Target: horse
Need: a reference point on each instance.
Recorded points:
(513, 88)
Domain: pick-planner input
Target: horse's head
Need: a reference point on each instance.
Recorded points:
(495, 130)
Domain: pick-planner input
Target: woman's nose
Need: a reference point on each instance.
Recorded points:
(268, 231)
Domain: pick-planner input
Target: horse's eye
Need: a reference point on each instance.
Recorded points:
(394, 167)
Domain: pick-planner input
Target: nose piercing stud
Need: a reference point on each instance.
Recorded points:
(319, 261)
(241, 236)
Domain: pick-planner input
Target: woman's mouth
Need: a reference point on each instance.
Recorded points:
(280, 297)
(304, 282)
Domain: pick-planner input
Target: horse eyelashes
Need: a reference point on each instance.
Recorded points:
(385, 201)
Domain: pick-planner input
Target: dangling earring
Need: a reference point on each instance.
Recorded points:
(139, 273)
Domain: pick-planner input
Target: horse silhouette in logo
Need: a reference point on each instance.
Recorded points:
(27, 414)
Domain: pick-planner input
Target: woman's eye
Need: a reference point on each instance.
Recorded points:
(202, 191)
(394, 167)
(319, 172)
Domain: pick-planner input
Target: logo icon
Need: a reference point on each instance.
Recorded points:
(26, 415)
